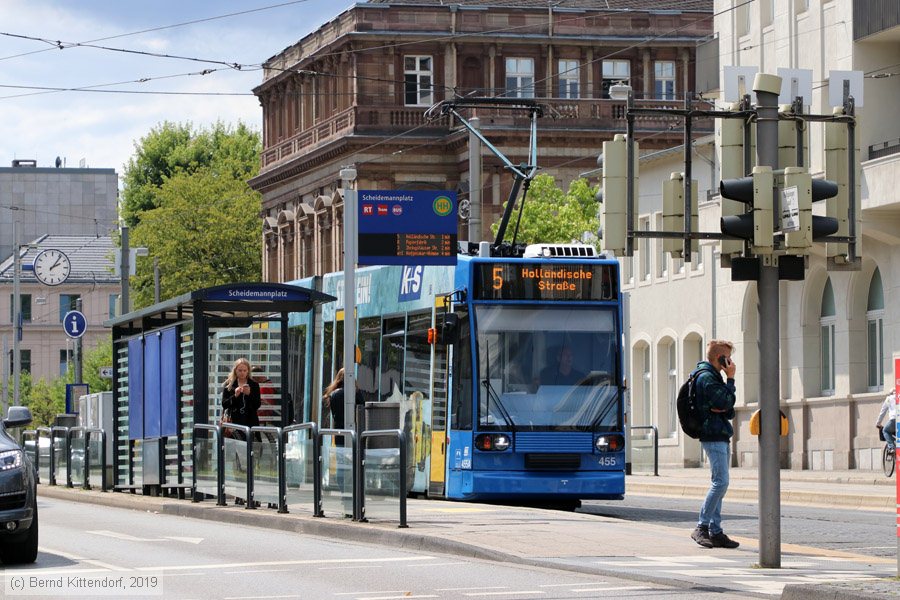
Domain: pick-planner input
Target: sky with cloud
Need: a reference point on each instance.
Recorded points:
(101, 127)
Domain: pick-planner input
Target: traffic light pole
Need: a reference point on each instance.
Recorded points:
(767, 88)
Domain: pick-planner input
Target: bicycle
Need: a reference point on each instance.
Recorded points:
(888, 455)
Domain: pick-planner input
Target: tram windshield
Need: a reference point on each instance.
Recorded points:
(547, 368)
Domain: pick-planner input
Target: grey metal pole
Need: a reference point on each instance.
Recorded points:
(17, 314)
(125, 269)
(475, 169)
(767, 88)
(78, 372)
(348, 176)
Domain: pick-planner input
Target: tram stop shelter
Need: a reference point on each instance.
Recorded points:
(171, 359)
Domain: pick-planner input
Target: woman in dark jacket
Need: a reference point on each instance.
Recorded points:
(240, 395)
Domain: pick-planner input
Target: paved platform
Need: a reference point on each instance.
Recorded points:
(600, 545)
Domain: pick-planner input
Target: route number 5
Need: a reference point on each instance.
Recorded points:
(498, 278)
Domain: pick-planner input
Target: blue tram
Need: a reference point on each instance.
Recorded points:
(506, 373)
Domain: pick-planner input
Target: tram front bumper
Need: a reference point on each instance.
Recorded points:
(584, 486)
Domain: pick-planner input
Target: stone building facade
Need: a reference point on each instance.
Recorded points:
(356, 91)
(839, 328)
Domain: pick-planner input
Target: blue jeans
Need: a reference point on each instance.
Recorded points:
(719, 460)
(890, 432)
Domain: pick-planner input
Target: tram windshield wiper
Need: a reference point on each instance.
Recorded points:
(491, 393)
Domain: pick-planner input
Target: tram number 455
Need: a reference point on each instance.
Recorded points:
(607, 461)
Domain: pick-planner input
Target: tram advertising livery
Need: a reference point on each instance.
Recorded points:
(506, 373)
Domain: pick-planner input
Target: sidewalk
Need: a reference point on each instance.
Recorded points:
(598, 545)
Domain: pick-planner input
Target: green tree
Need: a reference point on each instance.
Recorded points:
(174, 148)
(206, 231)
(45, 403)
(553, 216)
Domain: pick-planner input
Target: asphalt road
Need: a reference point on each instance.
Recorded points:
(870, 533)
(176, 557)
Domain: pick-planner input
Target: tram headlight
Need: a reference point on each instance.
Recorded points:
(488, 442)
(610, 443)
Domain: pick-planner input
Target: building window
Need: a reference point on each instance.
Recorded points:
(664, 77)
(26, 308)
(875, 333)
(113, 301)
(24, 361)
(645, 397)
(662, 261)
(697, 259)
(568, 78)
(67, 302)
(417, 81)
(520, 77)
(672, 389)
(801, 6)
(628, 269)
(65, 357)
(768, 12)
(826, 324)
(742, 18)
(615, 71)
(645, 252)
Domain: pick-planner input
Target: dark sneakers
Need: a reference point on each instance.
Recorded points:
(701, 536)
(720, 540)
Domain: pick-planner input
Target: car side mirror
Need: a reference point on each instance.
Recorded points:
(18, 416)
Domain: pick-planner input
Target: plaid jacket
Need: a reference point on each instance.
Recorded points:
(716, 400)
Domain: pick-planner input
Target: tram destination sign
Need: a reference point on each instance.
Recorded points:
(544, 281)
(406, 228)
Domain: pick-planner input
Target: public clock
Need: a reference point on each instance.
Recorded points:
(52, 267)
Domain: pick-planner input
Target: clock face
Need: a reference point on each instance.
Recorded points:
(52, 267)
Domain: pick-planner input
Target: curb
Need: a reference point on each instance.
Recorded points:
(806, 498)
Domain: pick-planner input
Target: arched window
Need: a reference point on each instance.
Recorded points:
(645, 391)
(672, 389)
(826, 325)
(874, 333)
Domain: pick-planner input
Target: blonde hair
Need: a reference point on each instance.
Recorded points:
(233, 375)
(715, 348)
(337, 382)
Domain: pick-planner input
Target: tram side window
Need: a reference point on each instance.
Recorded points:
(327, 356)
(462, 380)
(366, 380)
(393, 340)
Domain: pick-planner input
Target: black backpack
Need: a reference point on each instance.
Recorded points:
(689, 413)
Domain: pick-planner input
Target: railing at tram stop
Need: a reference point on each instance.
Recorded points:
(642, 449)
(70, 456)
(327, 472)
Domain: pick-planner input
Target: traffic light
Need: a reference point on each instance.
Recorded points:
(731, 142)
(614, 194)
(756, 225)
(673, 213)
(836, 170)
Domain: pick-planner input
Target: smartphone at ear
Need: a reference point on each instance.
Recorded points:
(723, 361)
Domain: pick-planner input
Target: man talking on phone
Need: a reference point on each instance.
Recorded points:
(715, 399)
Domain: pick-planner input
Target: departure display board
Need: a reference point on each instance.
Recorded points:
(407, 228)
(545, 281)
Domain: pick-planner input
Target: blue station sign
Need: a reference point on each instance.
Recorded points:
(406, 227)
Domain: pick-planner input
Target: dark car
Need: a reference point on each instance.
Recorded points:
(18, 494)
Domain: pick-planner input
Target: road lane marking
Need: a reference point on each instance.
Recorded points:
(507, 593)
(477, 587)
(281, 563)
(403, 597)
(370, 592)
(188, 540)
(124, 536)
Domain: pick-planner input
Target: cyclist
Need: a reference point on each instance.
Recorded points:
(889, 409)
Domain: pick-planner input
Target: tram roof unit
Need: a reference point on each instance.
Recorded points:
(235, 300)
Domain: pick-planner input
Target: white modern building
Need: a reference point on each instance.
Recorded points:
(838, 327)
